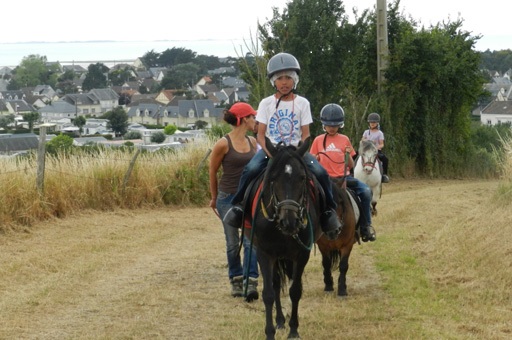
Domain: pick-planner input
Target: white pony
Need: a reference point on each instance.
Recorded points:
(368, 170)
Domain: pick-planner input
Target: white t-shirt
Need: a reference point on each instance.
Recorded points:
(284, 123)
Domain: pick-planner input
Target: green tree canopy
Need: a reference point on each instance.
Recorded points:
(31, 118)
(158, 137)
(432, 82)
(117, 120)
(170, 129)
(180, 76)
(32, 71)
(79, 122)
(59, 143)
(175, 56)
(95, 78)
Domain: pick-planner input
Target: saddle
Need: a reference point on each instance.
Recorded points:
(354, 200)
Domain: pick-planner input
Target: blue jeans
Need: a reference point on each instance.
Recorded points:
(259, 162)
(364, 193)
(233, 242)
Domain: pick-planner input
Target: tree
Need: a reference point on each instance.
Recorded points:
(170, 129)
(180, 76)
(432, 80)
(120, 76)
(65, 82)
(95, 78)
(158, 137)
(117, 120)
(32, 71)
(6, 121)
(133, 135)
(79, 122)
(311, 30)
(31, 118)
(59, 143)
(150, 59)
(175, 56)
(200, 124)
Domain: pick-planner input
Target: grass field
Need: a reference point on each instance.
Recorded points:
(441, 268)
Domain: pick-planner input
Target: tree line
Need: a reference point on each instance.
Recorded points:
(433, 81)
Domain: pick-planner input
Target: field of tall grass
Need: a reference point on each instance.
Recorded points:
(108, 179)
(102, 179)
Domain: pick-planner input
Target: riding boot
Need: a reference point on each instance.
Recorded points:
(368, 233)
(234, 216)
(385, 179)
(252, 290)
(237, 289)
(330, 224)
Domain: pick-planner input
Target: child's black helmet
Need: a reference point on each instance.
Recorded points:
(332, 115)
(373, 118)
(282, 62)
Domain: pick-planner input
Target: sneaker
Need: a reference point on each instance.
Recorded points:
(237, 289)
(252, 290)
(234, 216)
(330, 223)
(368, 234)
(385, 179)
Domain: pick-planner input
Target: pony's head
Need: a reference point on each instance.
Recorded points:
(286, 179)
(368, 153)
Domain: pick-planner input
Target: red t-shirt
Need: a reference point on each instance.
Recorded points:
(332, 157)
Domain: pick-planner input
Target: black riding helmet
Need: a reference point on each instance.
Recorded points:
(332, 115)
(373, 118)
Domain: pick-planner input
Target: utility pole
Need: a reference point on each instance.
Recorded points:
(382, 42)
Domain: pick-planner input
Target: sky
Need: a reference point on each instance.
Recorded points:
(195, 20)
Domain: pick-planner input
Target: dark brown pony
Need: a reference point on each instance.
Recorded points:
(285, 225)
(337, 252)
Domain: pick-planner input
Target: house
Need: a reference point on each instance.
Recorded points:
(58, 110)
(183, 114)
(165, 96)
(95, 126)
(16, 143)
(497, 112)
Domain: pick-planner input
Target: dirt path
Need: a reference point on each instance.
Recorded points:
(160, 274)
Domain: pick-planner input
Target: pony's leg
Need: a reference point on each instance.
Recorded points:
(327, 264)
(268, 294)
(295, 295)
(280, 318)
(342, 280)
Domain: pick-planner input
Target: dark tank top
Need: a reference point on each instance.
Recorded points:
(232, 166)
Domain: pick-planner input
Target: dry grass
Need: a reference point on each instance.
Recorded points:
(441, 268)
(97, 181)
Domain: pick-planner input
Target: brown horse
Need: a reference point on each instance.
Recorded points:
(337, 252)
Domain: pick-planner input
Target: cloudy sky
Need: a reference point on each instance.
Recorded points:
(194, 20)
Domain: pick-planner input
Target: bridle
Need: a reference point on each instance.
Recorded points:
(369, 162)
(299, 207)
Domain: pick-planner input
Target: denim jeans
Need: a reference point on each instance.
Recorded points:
(233, 242)
(364, 193)
(260, 160)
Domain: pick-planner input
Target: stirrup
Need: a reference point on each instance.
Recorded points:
(368, 234)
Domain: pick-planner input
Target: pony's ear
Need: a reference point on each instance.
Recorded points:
(270, 147)
(304, 146)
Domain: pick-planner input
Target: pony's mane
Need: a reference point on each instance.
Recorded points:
(366, 145)
(285, 152)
